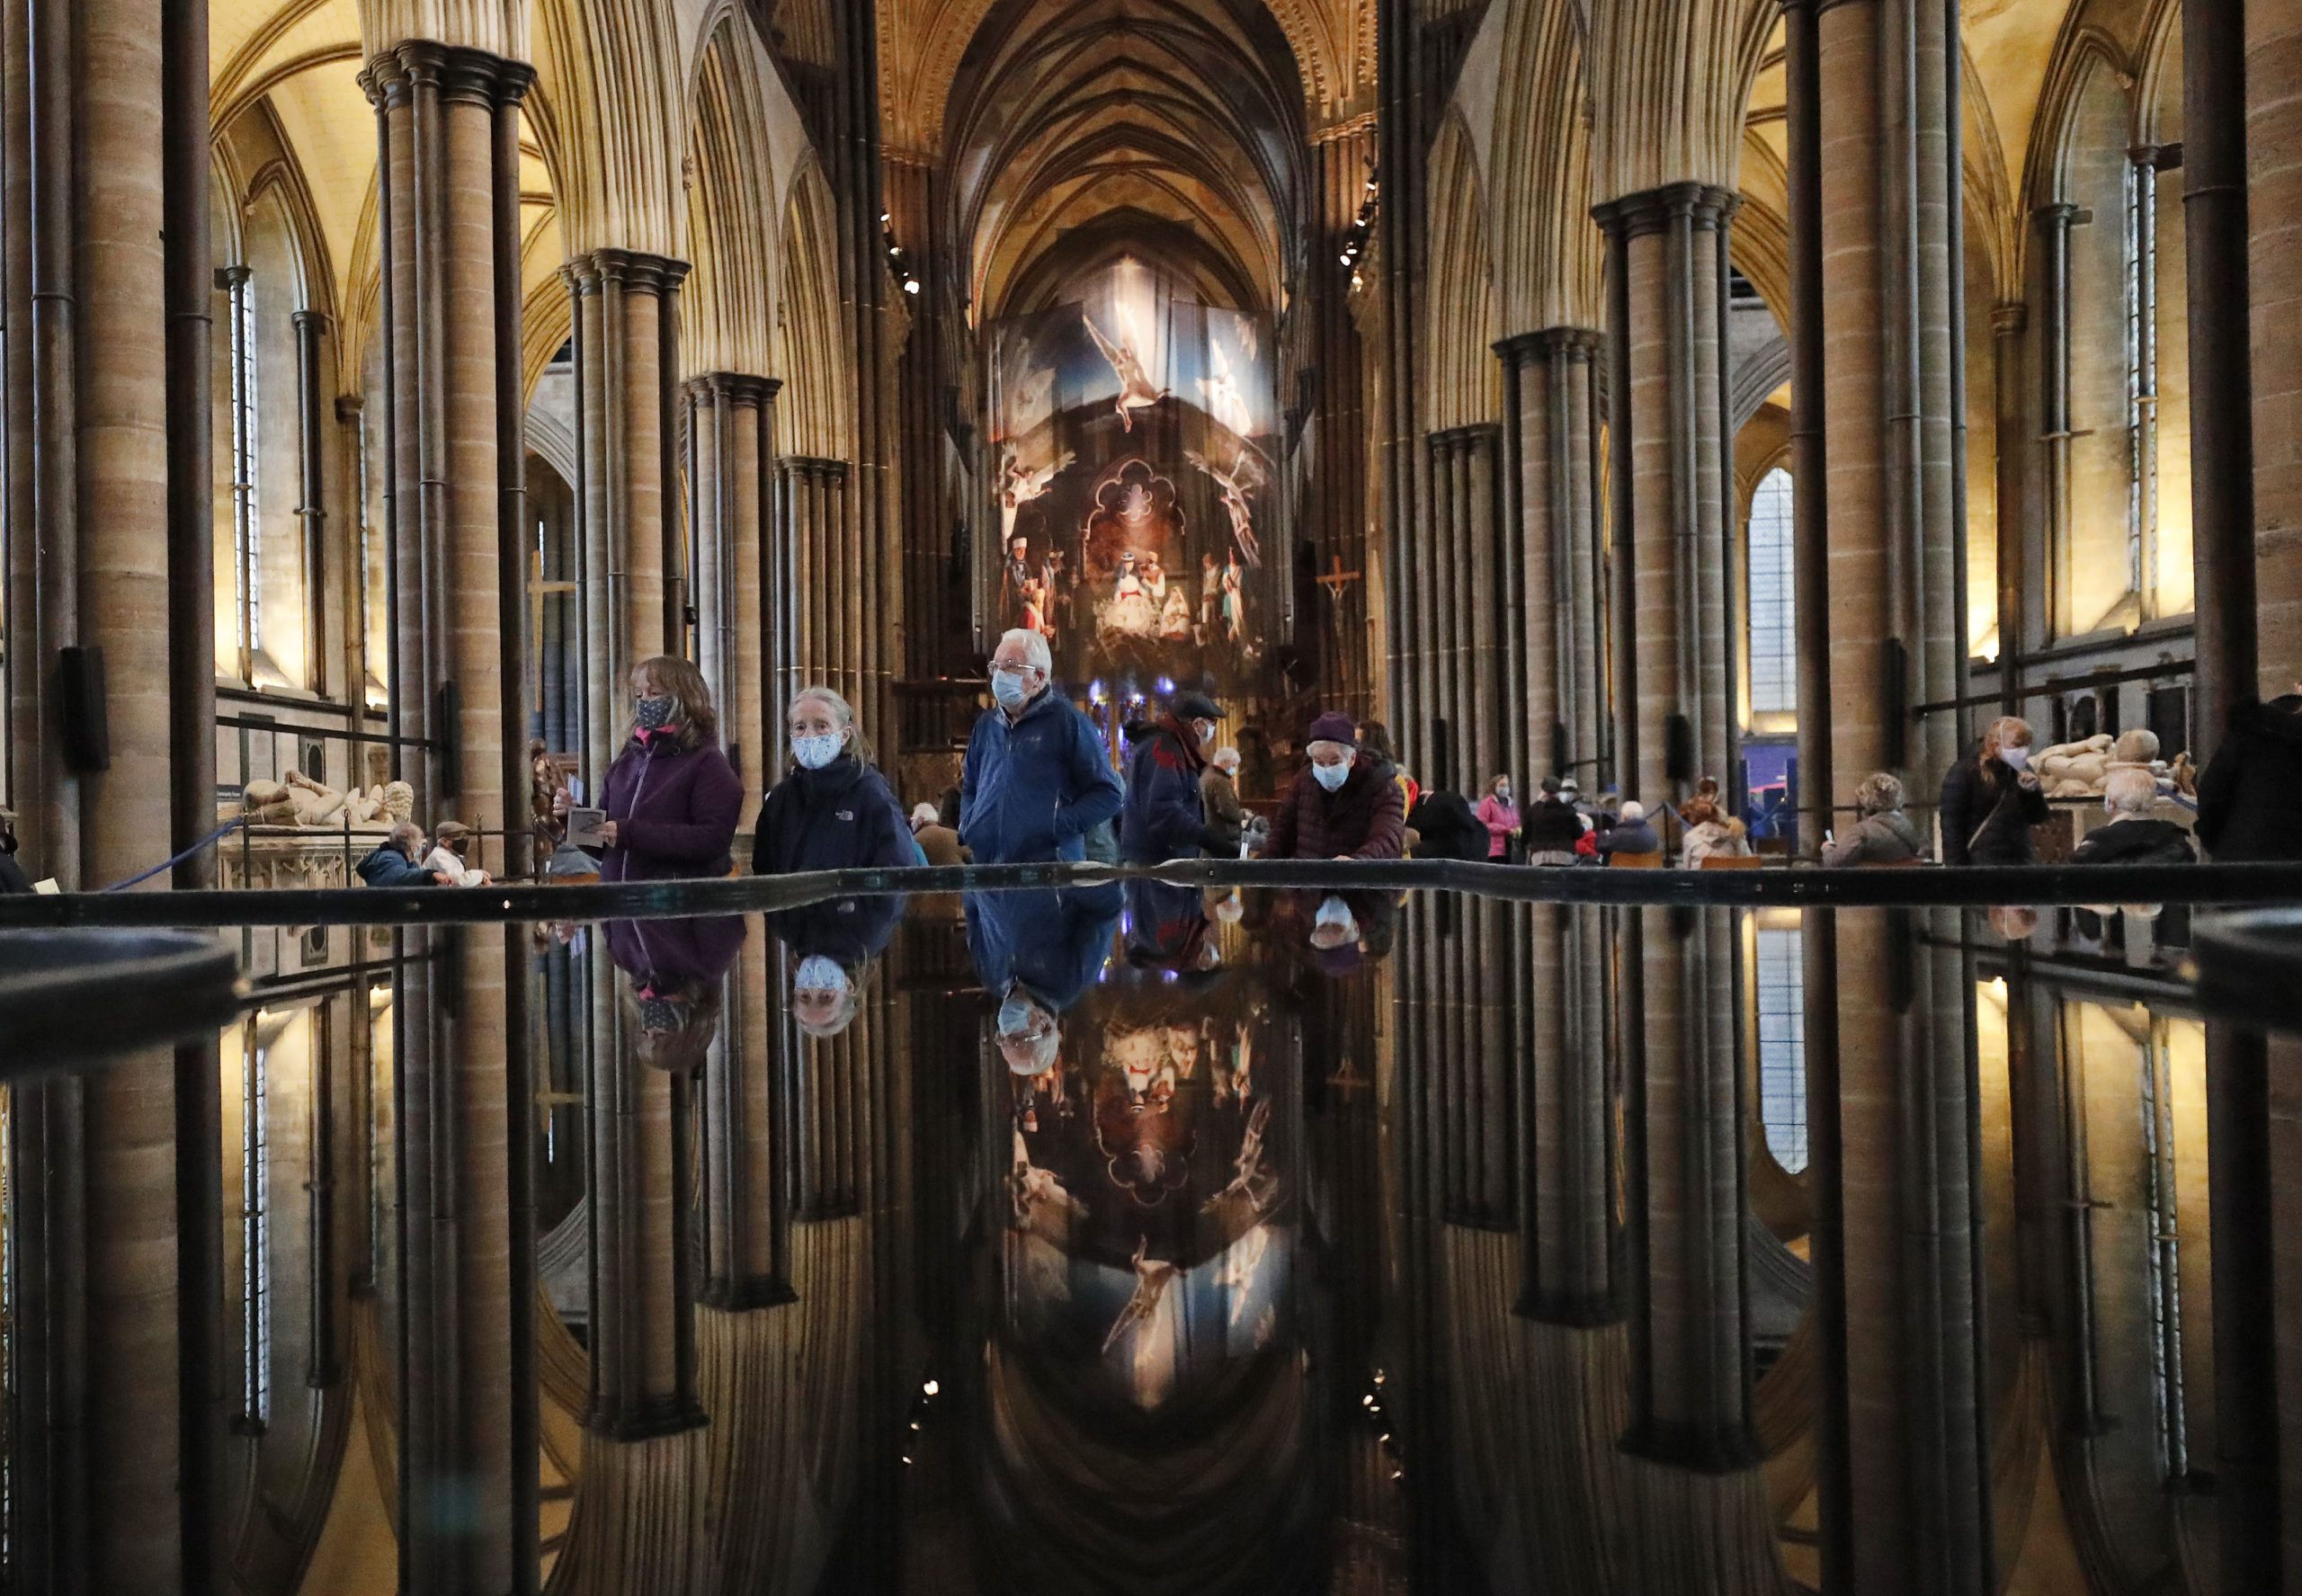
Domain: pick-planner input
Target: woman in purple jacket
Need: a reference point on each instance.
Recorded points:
(672, 798)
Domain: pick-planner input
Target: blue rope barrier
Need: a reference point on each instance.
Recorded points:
(168, 864)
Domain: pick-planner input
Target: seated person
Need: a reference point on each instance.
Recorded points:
(1631, 833)
(447, 856)
(2133, 834)
(1882, 834)
(394, 864)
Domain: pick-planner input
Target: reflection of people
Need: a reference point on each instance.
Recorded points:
(1166, 929)
(832, 810)
(671, 798)
(1341, 807)
(672, 998)
(832, 946)
(1036, 779)
(1036, 953)
(1163, 817)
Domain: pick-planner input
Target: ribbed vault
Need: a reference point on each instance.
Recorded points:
(1185, 115)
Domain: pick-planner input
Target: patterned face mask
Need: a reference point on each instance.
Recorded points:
(654, 711)
(662, 1015)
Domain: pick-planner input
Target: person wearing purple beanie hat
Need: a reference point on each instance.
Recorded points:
(1343, 806)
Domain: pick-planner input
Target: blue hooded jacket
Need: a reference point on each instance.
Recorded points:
(1032, 789)
(1055, 944)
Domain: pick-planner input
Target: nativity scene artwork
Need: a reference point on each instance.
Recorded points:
(1131, 430)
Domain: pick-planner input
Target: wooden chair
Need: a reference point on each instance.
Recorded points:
(1635, 861)
(1733, 862)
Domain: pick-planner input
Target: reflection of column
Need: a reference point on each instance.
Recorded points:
(642, 1323)
(1568, 1215)
(627, 355)
(1690, 1402)
(450, 123)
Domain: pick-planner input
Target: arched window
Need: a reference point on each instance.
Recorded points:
(1782, 1038)
(1773, 606)
(2118, 412)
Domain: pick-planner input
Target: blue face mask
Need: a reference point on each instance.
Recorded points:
(1015, 1011)
(817, 974)
(815, 753)
(1007, 686)
(1332, 777)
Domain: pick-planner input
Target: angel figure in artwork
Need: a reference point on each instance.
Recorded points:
(1152, 1278)
(1243, 478)
(1018, 486)
(1252, 1179)
(1225, 403)
(1135, 391)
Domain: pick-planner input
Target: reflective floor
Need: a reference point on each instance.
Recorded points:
(1152, 1239)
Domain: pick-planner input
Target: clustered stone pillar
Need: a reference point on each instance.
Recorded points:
(730, 429)
(2273, 211)
(1690, 1399)
(635, 578)
(1337, 507)
(449, 120)
(820, 601)
(1903, 1500)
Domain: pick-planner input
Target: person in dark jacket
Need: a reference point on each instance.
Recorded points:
(672, 798)
(833, 947)
(1343, 806)
(1037, 778)
(1630, 834)
(1549, 828)
(2246, 793)
(832, 810)
(1448, 827)
(395, 863)
(1992, 798)
(2133, 834)
(1163, 816)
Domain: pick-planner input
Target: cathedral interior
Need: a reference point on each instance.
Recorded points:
(1710, 401)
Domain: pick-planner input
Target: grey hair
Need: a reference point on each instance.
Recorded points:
(407, 836)
(1034, 646)
(840, 709)
(1878, 794)
(2132, 790)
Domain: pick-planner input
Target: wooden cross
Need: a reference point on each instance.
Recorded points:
(1337, 579)
(1348, 1080)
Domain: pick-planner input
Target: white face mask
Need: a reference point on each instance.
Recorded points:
(818, 974)
(2016, 758)
(815, 753)
(1332, 777)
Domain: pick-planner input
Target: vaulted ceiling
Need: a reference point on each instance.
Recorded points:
(1071, 126)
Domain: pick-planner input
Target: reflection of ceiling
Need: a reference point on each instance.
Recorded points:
(1183, 112)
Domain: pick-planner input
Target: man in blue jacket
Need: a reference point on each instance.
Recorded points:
(1165, 815)
(1036, 779)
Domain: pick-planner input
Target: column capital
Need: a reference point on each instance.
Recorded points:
(1451, 439)
(806, 464)
(458, 71)
(644, 1418)
(348, 407)
(744, 391)
(235, 275)
(316, 319)
(2009, 317)
(1549, 343)
(1652, 210)
(631, 271)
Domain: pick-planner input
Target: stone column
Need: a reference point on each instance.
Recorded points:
(1910, 1508)
(2273, 225)
(1690, 1397)
(627, 361)
(1335, 511)
(728, 415)
(449, 127)
(822, 614)
(2012, 455)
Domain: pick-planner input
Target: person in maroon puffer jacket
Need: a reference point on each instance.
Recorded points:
(672, 798)
(1344, 804)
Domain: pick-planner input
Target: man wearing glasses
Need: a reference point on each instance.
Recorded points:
(1037, 779)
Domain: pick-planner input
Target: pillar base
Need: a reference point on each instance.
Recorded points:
(645, 1420)
(751, 1291)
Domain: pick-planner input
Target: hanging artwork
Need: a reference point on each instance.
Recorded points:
(1132, 427)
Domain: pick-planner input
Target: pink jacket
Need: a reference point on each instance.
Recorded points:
(1501, 820)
